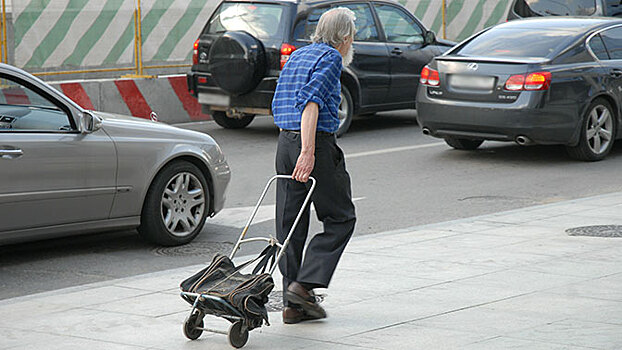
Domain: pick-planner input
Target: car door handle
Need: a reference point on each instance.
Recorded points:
(397, 51)
(616, 73)
(11, 153)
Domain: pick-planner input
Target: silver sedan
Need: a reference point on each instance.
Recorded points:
(65, 170)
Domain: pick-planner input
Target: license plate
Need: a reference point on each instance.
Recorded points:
(214, 99)
(472, 82)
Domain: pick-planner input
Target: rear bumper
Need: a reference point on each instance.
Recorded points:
(258, 100)
(531, 116)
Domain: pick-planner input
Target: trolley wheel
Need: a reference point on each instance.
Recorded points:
(193, 325)
(238, 334)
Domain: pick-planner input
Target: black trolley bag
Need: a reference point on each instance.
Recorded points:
(222, 290)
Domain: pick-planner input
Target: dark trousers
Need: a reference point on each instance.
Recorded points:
(332, 201)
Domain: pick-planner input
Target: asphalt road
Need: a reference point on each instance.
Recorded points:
(400, 179)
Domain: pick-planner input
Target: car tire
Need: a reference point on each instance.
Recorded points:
(346, 111)
(593, 131)
(232, 123)
(463, 144)
(169, 217)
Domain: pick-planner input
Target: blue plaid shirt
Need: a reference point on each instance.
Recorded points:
(310, 75)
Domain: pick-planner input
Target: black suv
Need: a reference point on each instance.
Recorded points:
(245, 44)
(535, 8)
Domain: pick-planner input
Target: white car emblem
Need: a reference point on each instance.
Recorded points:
(154, 116)
(473, 66)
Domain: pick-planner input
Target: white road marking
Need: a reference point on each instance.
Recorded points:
(391, 150)
(238, 217)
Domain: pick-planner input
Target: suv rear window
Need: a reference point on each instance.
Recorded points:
(530, 8)
(259, 20)
(517, 43)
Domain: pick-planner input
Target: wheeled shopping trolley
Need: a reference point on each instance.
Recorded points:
(204, 290)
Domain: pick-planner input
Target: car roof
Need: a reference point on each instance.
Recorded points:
(560, 23)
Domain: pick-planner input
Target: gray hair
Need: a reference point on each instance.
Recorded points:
(334, 26)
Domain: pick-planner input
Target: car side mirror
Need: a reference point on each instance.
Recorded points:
(430, 37)
(89, 123)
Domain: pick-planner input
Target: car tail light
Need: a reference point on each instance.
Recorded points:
(434, 79)
(286, 51)
(538, 81)
(195, 53)
(515, 83)
(430, 77)
(202, 80)
(530, 82)
(425, 74)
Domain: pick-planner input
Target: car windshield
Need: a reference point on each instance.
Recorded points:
(517, 43)
(557, 7)
(259, 20)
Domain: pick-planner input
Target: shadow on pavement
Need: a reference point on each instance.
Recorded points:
(526, 155)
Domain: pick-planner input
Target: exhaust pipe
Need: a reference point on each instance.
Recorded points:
(523, 140)
(426, 131)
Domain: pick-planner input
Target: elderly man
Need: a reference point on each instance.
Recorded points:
(305, 108)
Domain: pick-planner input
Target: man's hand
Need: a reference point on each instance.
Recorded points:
(304, 166)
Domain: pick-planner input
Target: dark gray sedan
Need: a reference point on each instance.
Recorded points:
(65, 170)
(545, 81)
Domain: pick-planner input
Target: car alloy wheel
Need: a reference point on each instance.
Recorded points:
(183, 204)
(176, 205)
(599, 130)
(344, 108)
(345, 111)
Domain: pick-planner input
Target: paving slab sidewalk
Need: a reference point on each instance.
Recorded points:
(511, 280)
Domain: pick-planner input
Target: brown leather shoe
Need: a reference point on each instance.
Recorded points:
(292, 315)
(297, 294)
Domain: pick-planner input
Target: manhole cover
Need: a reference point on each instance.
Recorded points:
(275, 301)
(195, 249)
(596, 231)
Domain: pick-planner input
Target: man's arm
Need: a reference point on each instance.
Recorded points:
(310, 99)
(306, 159)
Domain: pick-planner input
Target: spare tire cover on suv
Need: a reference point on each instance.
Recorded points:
(237, 61)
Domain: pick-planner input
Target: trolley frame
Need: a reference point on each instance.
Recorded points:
(238, 332)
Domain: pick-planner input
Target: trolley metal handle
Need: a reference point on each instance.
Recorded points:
(291, 231)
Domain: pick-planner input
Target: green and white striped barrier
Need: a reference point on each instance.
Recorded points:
(462, 18)
(72, 34)
(86, 34)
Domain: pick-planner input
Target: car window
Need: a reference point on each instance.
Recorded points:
(299, 29)
(598, 47)
(312, 20)
(517, 43)
(613, 8)
(613, 42)
(22, 109)
(366, 29)
(259, 20)
(530, 8)
(398, 26)
(365, 25)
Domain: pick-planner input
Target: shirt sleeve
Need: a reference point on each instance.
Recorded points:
(324, 79)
